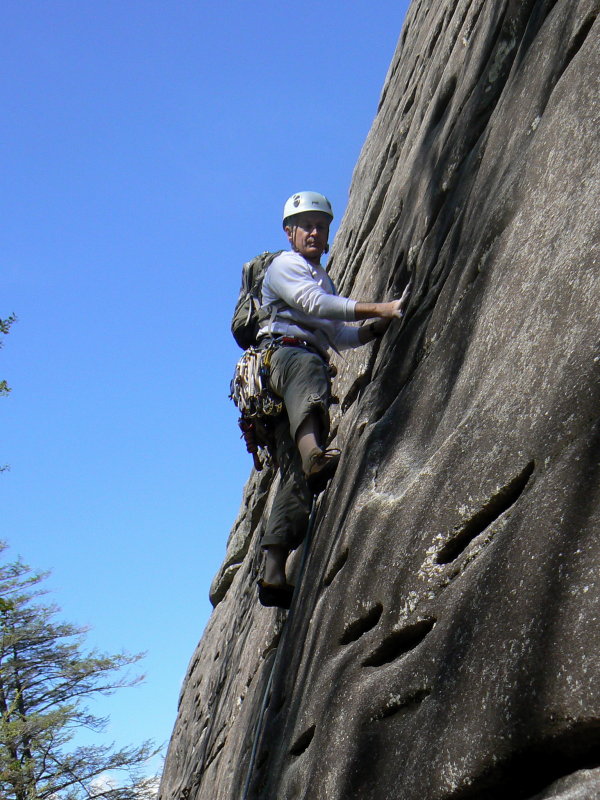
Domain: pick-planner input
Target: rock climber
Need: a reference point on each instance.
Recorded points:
(304, 318)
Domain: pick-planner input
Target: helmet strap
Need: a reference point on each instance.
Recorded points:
(293, 238)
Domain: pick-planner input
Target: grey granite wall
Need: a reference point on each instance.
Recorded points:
(445, 637)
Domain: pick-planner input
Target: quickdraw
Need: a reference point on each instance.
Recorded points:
(257, 404)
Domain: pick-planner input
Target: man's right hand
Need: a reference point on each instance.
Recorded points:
(393, 310)
(403, 302)
(398, 307)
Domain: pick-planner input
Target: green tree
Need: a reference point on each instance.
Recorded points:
(45, 679)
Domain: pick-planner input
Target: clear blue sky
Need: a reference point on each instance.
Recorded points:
(147, 149)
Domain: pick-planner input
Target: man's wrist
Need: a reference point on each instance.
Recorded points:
(375, 331)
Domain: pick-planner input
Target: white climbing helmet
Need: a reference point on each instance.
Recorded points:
(306, 201)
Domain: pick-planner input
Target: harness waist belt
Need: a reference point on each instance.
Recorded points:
(291, 341)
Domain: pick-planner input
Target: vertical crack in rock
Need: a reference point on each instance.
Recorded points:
(576, 45)
(354, 391)
(262, 759)
(442, 102)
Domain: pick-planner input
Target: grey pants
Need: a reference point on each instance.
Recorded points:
(301, 378)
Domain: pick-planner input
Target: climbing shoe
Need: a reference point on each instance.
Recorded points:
(320, 467)
(278, 595)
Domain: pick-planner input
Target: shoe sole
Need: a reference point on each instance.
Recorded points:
(318, 480)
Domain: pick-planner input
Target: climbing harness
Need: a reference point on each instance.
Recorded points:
(258, 406)
(258, 728)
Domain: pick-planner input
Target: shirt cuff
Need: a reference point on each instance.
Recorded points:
(335, 307)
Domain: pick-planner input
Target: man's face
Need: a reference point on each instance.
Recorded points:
(309, 234)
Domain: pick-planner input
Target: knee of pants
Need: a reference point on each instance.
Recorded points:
(314, 405)
(302, 379)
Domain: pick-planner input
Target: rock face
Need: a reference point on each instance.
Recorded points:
(443, 643)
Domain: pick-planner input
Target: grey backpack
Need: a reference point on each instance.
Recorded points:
(244, 325)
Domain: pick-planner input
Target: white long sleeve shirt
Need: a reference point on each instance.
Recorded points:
(301, 301)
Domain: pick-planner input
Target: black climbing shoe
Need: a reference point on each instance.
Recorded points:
(321, 466)
(270, 594)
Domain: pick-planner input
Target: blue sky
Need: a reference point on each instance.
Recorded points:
(146, 152)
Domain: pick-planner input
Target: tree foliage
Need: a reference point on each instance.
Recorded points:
(4, 329)
(46, 677)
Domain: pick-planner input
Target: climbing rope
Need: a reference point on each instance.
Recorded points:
(258, 728)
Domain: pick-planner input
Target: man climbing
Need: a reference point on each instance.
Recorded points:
(303, 317)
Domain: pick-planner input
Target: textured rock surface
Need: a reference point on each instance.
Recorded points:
(444, 642)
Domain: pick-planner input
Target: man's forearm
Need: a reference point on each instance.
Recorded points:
(376, 310)
(388, 311)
